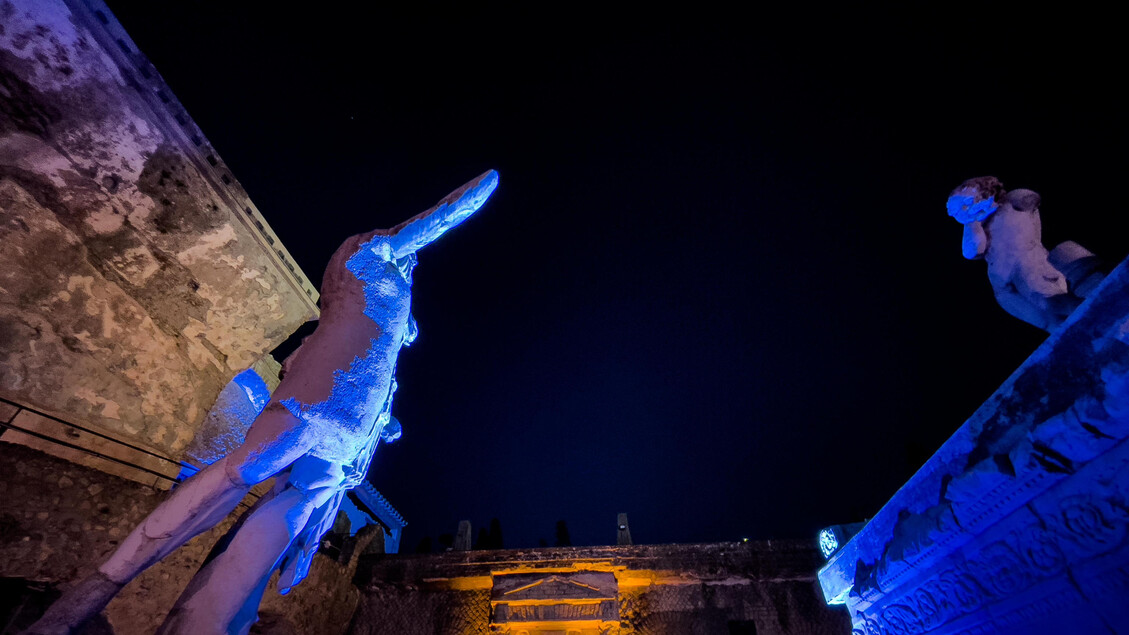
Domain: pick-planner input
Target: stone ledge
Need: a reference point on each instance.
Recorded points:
(1029, 499)
(766, 560)
(767, 587)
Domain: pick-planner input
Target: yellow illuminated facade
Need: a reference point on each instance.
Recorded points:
(755, 587)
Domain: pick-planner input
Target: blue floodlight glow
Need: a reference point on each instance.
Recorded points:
(966, 210)
(255, 388)
(828, 542)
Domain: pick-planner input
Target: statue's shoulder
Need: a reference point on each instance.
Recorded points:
(1023, 200)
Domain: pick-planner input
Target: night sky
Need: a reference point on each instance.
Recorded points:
(716, 289)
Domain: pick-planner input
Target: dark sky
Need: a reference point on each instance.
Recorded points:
(717, 288)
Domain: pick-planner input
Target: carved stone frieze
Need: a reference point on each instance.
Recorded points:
(1022, 517)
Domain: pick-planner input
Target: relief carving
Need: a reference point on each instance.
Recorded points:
(1000, 569)
(1085, 527)
(1092, 525)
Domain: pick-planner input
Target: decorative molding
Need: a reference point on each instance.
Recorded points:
(1020, 522)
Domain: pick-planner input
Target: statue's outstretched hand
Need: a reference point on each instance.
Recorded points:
(422, 229)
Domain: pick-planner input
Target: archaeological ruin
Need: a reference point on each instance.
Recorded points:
(142, 293)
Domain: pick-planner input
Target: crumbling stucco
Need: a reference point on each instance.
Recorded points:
(135, 281)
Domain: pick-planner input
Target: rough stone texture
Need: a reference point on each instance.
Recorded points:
(136, 278)
(1020, 522)
(410, 611)
(60, 520)
(709, 588)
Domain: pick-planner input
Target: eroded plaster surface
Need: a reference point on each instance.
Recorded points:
(133, 287)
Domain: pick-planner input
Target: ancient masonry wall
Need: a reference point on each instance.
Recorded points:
(757, 587)
(136, 276)
(59, 520)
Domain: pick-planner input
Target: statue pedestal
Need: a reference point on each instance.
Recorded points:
(1020, 522)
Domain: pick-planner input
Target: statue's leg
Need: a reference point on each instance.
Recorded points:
(1083, 270)
(1045, 288)
(225, 594)
(249, 613)
(222, 543)
(274, 441)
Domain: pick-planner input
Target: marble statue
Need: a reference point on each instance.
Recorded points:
(1039, 287)
(317, 435)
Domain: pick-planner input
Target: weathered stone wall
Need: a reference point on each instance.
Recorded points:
(136, 278)
(59, 521)
(411, 610)
(711, 588)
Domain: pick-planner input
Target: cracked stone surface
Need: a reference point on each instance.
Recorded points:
(133, 283)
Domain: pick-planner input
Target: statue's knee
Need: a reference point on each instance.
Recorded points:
(237, 474)
(247, 472)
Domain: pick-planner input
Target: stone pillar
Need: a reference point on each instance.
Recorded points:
(463, 538)
(623, 531)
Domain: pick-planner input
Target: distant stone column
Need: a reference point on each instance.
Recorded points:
(623, 532)
(462, 539)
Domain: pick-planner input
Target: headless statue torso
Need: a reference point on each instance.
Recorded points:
(1003, 228)
(340, 381)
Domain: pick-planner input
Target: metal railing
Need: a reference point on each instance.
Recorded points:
(10, 425)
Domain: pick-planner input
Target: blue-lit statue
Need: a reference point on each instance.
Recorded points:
(317, 435)
(1039, 287)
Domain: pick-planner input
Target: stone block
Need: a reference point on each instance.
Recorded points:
(7, 411)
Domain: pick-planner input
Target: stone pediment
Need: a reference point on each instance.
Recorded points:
(554, 586)
(553, 598)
